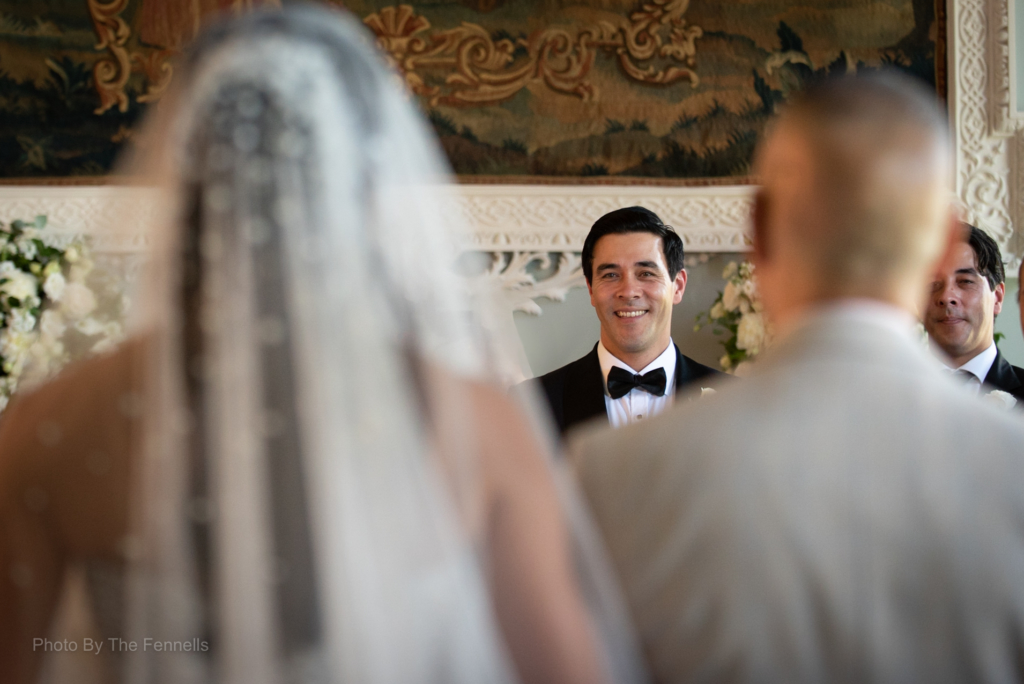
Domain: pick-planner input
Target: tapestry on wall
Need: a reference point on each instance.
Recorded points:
(517, 90)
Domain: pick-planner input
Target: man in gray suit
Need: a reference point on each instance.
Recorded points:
(847, 514)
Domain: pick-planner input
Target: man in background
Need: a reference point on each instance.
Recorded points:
(1020, 295)
(633, 264)
(847, 513)
(966, 296)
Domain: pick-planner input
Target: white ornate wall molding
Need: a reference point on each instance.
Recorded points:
(552, 218)
(989, 134)
(532, 233)
(558, 217)
(112, 215)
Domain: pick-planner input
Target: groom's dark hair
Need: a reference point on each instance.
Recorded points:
(634, 220)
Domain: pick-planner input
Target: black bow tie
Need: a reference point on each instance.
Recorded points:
(621, 381)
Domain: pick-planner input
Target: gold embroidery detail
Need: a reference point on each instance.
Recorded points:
(483, 71)
(111, 74)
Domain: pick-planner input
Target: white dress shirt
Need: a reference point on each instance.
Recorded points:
(638, 404)
(979, 367)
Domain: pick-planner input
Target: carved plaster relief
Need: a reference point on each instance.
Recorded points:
(988, 136)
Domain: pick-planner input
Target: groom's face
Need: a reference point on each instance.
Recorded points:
(633, 294)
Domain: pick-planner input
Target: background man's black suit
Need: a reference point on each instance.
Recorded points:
(1003, 376)
(575, 392)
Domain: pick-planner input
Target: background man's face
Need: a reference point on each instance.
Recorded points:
(960, 316)
(633, 295)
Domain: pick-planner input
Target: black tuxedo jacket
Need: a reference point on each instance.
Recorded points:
(575, 392)
(1003, 376)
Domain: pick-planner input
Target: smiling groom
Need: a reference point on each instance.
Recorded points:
(633, 264)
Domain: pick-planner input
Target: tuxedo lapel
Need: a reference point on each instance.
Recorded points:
(584, 390)
(682, 371)
(1002, 376)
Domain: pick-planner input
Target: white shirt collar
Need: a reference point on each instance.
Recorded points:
(666, 360)
(981, 364)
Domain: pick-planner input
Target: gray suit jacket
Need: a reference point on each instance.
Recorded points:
(845, 515)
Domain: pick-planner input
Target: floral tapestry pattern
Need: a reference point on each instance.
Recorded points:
(517, 90)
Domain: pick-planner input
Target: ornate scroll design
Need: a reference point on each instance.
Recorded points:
(558, 218)
(525, 276)
(111, 74)
(988, 138)
(481, 70)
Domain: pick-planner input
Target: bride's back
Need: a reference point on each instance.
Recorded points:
(326, 483)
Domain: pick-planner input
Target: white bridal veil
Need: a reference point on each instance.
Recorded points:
(298, 517)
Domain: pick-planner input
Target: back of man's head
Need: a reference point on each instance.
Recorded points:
(634, 220)
(854, 198)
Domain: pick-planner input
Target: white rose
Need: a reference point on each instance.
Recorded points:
(730, 270)
(51, 324)
(27, 246)
(21, 320)
(71, 254)
(14, 345)
(750, 333)
(731, 297)
(750, 289)
(89, 326)
(53, 286)
(78, 301)
(717, 311)
(20, 285)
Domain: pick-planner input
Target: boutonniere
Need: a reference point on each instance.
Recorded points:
(1001, 399)
(710, 391)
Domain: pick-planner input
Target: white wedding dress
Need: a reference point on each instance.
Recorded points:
(297, 511)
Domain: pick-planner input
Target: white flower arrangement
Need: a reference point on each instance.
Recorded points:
(738, 312)
(49, 310)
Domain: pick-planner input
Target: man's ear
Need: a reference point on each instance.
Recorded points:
(679, 285)
(1000, 293)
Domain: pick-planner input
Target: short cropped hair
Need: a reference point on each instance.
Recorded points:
(877, 205)
(987, 255)
(634, 220)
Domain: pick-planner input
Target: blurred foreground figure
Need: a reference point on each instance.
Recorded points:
(327, 484)
(848, 514)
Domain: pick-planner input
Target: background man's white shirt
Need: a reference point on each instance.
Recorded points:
(979, 367)
(638, 404)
